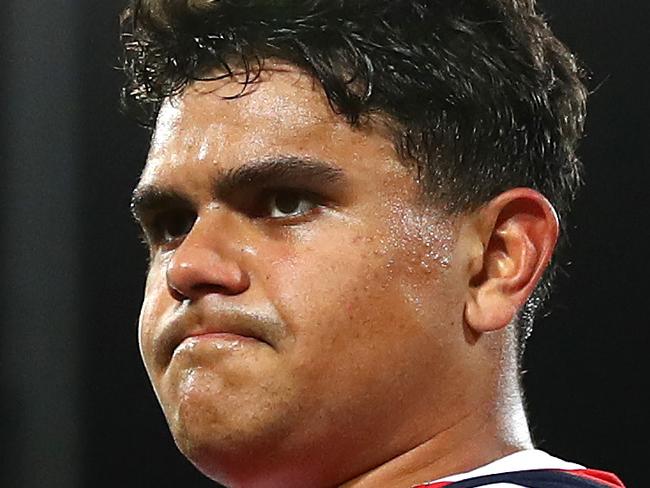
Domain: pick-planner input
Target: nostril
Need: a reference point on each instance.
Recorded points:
(201, 290)
(175, 294)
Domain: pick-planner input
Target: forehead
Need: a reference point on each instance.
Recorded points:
(225, 123)
(279, 97)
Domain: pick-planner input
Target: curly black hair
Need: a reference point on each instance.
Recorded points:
(479, 95)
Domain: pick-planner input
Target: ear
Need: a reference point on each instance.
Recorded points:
(517, 231)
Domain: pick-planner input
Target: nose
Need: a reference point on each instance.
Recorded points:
(197, 268)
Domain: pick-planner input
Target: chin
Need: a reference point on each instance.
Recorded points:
(234, 459)
(201, 423)
(205, 438)
(238, 431)
(234, 446)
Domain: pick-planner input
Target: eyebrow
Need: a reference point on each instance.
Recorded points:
(276, 171)
(267, 172)
(149, 198)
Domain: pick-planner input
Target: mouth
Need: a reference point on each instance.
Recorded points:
(195, 323)
(218, 337)
(216, 341)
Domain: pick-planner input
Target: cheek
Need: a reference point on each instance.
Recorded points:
(367, 319)
(362, 288)
(153, 308)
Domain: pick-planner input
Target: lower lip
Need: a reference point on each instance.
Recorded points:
(218, 338)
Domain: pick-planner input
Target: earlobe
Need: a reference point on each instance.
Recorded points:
(518, 229)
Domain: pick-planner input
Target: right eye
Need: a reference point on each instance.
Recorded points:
(172, 225)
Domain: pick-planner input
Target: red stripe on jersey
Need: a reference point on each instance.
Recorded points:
(439, 484)
(606, 479)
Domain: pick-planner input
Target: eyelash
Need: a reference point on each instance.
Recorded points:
(154, 233)
(165, 220)
(267, 198)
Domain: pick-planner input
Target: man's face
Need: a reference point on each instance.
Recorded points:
(300, 303)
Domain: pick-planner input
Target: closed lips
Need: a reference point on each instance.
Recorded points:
(197, 320)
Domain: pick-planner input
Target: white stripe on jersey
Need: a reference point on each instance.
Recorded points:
(519, 461)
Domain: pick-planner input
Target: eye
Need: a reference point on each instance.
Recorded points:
(282, 204)
(171, 225)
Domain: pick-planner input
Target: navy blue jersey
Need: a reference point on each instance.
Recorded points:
(541, 478)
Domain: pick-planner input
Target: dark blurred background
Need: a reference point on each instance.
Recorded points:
(76, 408)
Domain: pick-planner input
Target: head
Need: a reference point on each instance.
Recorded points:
(351, 208)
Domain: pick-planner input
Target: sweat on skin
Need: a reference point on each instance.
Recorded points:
(308, 320)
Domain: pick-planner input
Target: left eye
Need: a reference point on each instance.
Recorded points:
(284, 204)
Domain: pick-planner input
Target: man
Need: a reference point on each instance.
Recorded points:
(351, 207)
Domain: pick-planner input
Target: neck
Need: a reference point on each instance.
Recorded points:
(474, 441)
(485, 432)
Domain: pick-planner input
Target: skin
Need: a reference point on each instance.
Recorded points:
(323, 326)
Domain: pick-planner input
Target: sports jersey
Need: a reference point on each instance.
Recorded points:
(528, 469)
